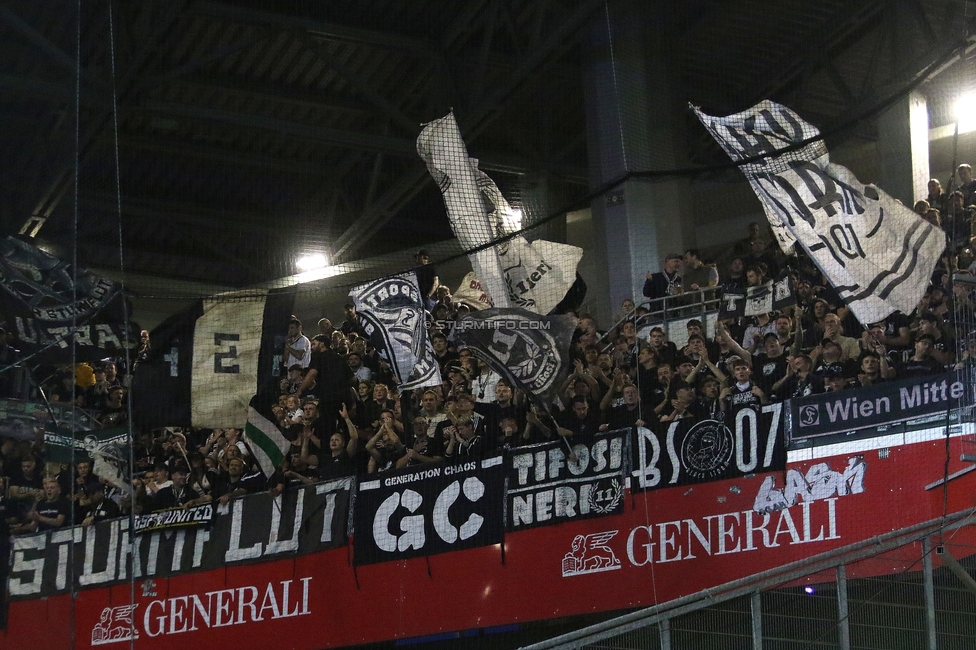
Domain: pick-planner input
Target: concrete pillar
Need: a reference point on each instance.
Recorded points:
(903, 147)
(634, 119)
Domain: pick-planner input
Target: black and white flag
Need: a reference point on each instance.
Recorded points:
(391, 310)
(43, 297)
(208, 362)
(877, 253)
(774, 295)
(537, 274)
(441, 147)
(516, 273)
(529, 350)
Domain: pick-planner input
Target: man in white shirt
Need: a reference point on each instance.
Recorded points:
(298, 349)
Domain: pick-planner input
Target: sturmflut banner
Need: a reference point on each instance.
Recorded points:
(544, 487)
(428, 509)
(681, 453)
(253, 528)
(877, 253)
(884, 403)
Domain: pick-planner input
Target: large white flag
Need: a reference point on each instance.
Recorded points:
(534, 276)
(877, 253)
(537, 274)
(441, 147)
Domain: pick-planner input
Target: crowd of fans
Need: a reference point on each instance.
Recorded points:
(337, 401)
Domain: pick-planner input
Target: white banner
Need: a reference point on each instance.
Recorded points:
(472, 293)
(226, 344)
(441, 147)
(537, 274)
(877, 253)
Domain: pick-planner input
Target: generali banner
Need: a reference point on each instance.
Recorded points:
(884, 403)
(663, 545)
(295, 523)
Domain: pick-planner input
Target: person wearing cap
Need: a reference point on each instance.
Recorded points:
(667, 282)
(351, 324)
(920, 364)
(827, 358)
(96, 507)
(177, 494)
(834, 380)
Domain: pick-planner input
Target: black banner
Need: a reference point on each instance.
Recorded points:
(433, 508)
(31, 420)
(544, 487)
(43, 298)
(297, 522)
(174, 518)
(884, 403)
(682, 453)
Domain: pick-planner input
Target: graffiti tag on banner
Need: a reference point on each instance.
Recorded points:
(686, 453)
(545, 487)
(310, 519)
(174, 518)
(435, 508)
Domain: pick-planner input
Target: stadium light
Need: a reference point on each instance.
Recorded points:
(311, 262)
(966, 112)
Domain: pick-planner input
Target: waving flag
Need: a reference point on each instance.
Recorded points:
(441, 147)
(44, 298)
(877, 253)
(391, 310)
(529, 350)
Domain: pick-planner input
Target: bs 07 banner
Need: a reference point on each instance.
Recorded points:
(681, 452)
(429, 509)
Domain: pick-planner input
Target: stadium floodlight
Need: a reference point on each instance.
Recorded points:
(966, 112)
(311, 261)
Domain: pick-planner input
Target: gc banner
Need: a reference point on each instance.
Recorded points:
(297, 522)
(885, 403)
(682, 453)
(544, 487)
(430, 509)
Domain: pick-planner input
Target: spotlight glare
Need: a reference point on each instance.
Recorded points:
(808, 590)
(966, 112)
(310, 262)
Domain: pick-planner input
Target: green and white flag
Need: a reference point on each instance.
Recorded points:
(263, 436)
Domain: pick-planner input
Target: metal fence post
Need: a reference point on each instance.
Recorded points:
(665, 628)
(755, 607)
(843, 627)
(929, 587)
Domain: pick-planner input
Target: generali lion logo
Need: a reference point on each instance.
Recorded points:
(590, 554)
(115, 624)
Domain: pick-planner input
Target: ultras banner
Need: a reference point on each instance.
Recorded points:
(681, 453)
(884, 403)
(311, 519)
(430, 509)
(544, 487)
